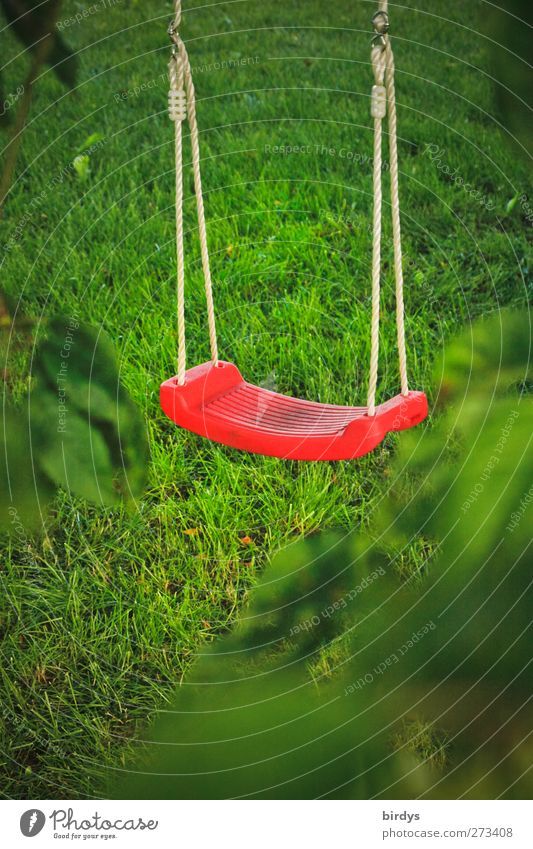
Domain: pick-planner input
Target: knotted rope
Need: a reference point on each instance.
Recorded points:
(383, 95)
(182, 105)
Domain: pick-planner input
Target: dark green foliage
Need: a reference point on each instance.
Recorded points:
(509, 31)
(77, 428)
(453, 649)
(99, 619)
(30, 20)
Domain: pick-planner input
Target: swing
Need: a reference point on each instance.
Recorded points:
(212, 399)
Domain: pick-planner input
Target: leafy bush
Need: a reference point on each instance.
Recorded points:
(342, 680)
(73, 425)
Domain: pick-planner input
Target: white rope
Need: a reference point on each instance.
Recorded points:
(378, 110)
(383, 93)
(195, 144)
(177, 109)
(396, 228)
(182, 100)
(182, 104)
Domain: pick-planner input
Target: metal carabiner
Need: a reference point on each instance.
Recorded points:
(380, 25)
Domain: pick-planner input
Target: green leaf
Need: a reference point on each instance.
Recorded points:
(489, 361)
(77, 429)
(81, 165)
(511, 204)
(77, 353)
(79, 363)
(72, 454)
(90, 141)
(93, 400)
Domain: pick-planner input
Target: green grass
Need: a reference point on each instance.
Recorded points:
(99, 619)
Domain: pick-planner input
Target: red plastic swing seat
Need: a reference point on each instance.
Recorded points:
(218, 404)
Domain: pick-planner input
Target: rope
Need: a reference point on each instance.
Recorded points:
(195, 144)
(396, 228)
(177, 108)
(383, 93)
(378, 108)
(177, 15)
(182, 104)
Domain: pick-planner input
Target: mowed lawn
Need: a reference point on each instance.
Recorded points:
(102, 616)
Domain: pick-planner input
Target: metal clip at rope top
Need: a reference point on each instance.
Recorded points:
(173, 33)
(380, 24)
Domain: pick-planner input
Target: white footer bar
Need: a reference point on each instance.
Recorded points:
(266, 824)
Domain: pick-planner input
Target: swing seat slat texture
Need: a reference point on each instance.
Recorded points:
(215, 402)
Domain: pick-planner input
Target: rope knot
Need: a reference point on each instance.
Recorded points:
(383, 101)
(177, 104)
(378, 102)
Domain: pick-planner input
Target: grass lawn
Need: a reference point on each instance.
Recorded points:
(101, 617)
